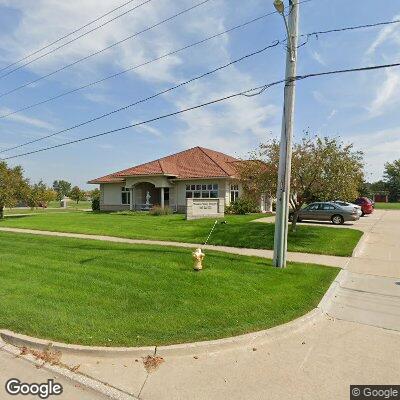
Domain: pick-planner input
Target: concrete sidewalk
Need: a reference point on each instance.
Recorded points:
(370, 291)
(331, 261)
(12, 367)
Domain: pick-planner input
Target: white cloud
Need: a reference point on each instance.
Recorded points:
(23, 119)
(379, 147)
(244, 119)
(148, 129)
(332, 114)
(387, 33)
(387, 94)
(318, 58)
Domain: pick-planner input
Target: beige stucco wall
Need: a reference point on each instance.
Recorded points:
(111, 192)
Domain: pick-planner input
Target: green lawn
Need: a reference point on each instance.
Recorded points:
(387, 206)
(54, 206)
(82, 205)
(99, 293)
(238, 232)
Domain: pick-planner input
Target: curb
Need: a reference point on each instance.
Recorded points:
(248, 339)
(331, 292)
(84, 380)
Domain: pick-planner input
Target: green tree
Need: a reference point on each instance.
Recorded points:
(13, 186)
(40, 195)
(392, 179)
(62, 188)
(322, 169)
(77, 194)
(94, 194)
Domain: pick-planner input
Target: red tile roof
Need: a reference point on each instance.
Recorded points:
(197, 162)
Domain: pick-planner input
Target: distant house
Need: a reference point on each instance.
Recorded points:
(197, 173)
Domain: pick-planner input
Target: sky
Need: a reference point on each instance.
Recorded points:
(360, 108)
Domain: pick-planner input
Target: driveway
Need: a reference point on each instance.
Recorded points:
(364, 224)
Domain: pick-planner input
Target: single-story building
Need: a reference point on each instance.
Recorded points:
(173, 181)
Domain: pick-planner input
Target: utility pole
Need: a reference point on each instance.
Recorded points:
(285, 159)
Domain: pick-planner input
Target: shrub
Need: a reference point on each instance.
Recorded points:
(96, 204)
(242, 206)
(158, 210)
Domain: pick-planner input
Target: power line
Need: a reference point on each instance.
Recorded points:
(249, 92)
(143, 100)
(134, 125)
(106, 48)
(316, 33)
(65, 36)
(75, 39)
(351, 28)
(138, 65)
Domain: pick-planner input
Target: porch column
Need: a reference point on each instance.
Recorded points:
(132, 202)
(162, 197)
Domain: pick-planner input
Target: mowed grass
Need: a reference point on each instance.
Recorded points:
(239, 231)
(54, 206)
(387, 206)
(100, 293)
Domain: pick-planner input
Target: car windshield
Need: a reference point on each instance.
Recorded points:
(342, 203)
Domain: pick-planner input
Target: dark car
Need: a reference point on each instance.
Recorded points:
(367, 206)
(327, 211)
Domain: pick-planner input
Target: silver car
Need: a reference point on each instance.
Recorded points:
(327, 211)
(348, 205)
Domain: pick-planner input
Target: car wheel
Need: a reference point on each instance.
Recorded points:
(337, 220)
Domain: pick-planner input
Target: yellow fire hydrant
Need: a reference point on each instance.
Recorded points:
(198, 256)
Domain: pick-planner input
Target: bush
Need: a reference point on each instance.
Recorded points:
(96, 204)
(158, 210)
(242, 206)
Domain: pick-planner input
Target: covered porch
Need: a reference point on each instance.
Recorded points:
(145, 195)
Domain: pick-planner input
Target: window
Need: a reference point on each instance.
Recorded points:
(202, 191)
(328, 207)
(234, 193)
(125, 196)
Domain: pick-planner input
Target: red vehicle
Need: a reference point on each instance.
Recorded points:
(367, 206)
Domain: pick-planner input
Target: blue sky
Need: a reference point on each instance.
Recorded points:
(361, 108)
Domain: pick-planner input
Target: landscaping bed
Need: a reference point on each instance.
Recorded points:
(99, 293)
(239, 231)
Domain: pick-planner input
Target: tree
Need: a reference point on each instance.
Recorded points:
(77, 194)
(13, 186)
(94, 194)
(322, 169)
(62, 188)
(392, 179)
(40, 195)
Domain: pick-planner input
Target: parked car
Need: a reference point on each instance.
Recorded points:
(367, 206)
(350, 206)
(327, 211)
